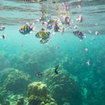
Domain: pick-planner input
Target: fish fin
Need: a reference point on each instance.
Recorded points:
(33, 29)
(30, 32)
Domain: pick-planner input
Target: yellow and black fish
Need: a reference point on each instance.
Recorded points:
(25, 29)
(56, 68)
(79, 34)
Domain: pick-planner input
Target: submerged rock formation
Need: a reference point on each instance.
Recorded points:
(38, 94)
(17, 81)
(63, 87)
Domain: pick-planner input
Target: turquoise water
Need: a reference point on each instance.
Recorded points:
(82, 60)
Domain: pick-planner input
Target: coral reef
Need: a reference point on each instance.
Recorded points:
(38, 94)
(27, 62)
(17, 81)
(32, 62)
(4, 61)
(3, 95)
(63, 87)
(20, 101)
(94, 87)
(4, 73)
(3, 92)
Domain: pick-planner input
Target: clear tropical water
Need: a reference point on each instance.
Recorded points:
(83, 60)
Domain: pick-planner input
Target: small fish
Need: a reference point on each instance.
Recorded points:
(56, 68)
(88, 63)
(68, 21)
(56, 27)
(79, 6)
(86, 49)
(49, 26)
(80, 18)
(96, 33)
(26, 29)
(75, 27)
(79, 34)
(3, 36)
(39, 74)
(2, 28)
